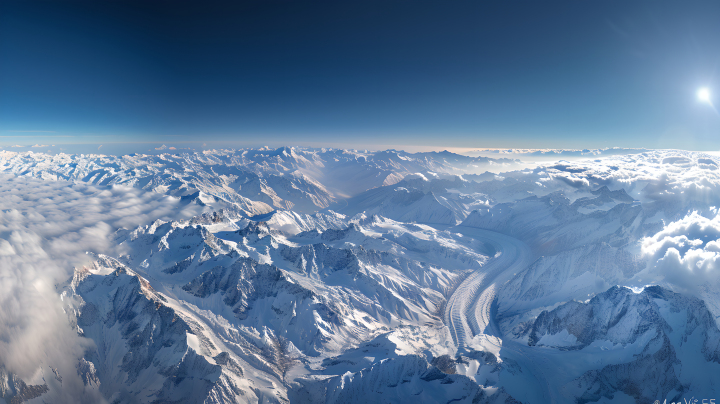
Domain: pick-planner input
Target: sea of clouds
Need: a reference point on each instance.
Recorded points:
(46, 228)
(682, 189)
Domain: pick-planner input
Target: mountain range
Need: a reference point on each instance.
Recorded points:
(346, 276)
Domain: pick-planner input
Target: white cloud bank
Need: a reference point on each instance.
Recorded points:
(686, 252)
(653, 175)
(45, 229)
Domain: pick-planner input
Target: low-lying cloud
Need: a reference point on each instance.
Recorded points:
(686, 252)
(45, 229)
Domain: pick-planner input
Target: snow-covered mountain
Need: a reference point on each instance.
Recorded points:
(650, 335)
(339, 276)
(258, 181)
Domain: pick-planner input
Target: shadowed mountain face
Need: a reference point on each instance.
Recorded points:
(337, 276)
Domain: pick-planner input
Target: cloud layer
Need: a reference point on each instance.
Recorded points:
(686, 252)
(45, 229)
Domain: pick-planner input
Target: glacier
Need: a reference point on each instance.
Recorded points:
(322, 275)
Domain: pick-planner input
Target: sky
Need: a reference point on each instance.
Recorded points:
(369, 74)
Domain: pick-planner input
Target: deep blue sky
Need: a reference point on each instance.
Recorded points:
(445, 73)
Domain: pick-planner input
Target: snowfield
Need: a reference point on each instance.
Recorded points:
(345, 276)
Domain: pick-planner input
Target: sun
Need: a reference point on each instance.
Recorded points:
(704, 95)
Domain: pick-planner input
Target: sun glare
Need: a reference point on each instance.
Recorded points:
(704, 95)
